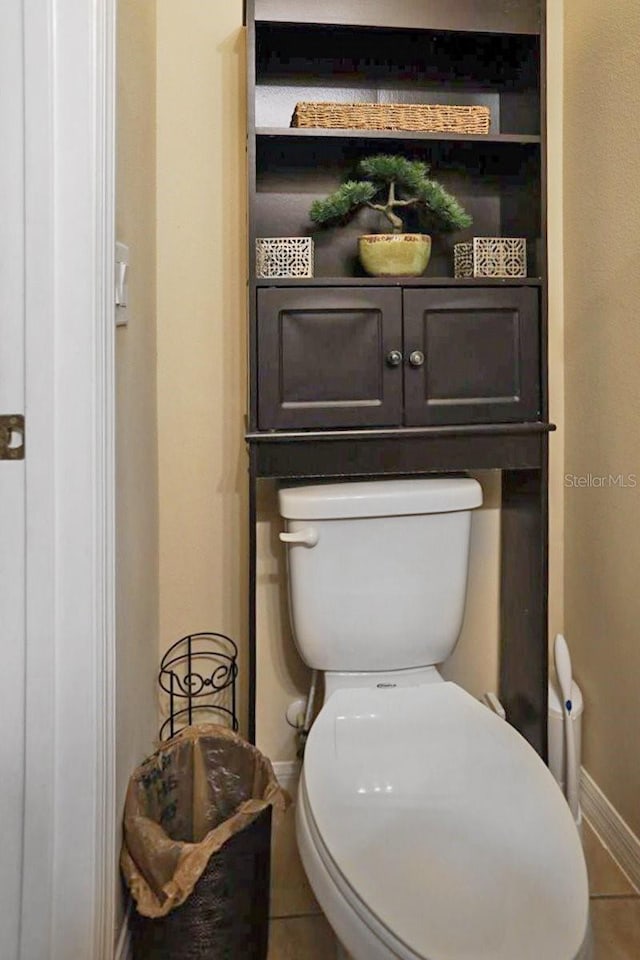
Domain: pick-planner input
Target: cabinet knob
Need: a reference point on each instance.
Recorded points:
(416, 359)
(394, 358)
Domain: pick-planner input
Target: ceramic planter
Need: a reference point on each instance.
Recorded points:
(394, 254)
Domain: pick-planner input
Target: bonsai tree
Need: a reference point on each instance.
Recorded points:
(392, 184)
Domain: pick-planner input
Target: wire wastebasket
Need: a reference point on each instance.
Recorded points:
(196, 848)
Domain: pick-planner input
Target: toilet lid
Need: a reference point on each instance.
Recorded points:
(446, 826)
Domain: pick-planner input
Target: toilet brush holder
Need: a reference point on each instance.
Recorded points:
(556, 734)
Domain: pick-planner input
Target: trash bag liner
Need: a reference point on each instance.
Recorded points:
(183, 804)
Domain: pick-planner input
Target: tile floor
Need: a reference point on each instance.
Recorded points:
(300, 932)
(298, 929)
(615, 904)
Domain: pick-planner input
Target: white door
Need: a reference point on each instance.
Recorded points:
(12, 477)
(58, 822)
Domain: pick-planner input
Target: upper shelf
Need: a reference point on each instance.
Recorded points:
(464, 15)
(301, 133)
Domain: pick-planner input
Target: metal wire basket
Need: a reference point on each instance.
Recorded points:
(199, 672)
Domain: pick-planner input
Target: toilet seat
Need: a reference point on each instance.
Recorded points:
(445, 831)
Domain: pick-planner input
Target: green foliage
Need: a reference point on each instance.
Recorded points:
(393, 184)
(384, 168)
(441, 209)
(344, 201)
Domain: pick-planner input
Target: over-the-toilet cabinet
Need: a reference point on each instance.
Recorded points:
(352, 376)
(384, 356)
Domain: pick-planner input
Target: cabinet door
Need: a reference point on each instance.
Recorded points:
(326, 358)
(473, 355)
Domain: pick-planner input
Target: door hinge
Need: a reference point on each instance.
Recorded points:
(12, 436)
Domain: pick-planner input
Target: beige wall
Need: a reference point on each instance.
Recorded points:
(475, 662)
(201, 379)
(201, 272)
(602, 236)
(136, 437)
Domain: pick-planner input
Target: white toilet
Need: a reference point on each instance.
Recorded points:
(428, 827)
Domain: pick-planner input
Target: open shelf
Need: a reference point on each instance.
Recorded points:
(360, 65)
(498, 182)
(459, 430)
(397, 136)
(490, 16)
(497, 176)
(399, 282)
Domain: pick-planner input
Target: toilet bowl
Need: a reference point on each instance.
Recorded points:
(430, 830)
(428, 827)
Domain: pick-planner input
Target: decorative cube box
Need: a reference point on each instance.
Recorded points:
(491, 257)
(284, 257)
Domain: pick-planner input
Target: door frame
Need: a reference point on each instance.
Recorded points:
(70, 835)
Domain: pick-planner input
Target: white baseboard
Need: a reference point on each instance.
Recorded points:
(615, 833)
(123, 946)
(287, 774)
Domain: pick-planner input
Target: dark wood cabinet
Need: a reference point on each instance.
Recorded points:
(329, 358)
(340, 357)
(472, 356)
(318, 346)
(351, 376)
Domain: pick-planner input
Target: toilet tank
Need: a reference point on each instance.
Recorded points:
(378, 570)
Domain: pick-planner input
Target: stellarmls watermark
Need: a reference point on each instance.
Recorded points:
(594, 481)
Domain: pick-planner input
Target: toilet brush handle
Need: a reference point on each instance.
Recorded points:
(306, 538)
(494, 704)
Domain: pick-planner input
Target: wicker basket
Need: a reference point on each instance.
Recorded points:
(429, 118)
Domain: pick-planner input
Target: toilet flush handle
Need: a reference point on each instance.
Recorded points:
(307, 538)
